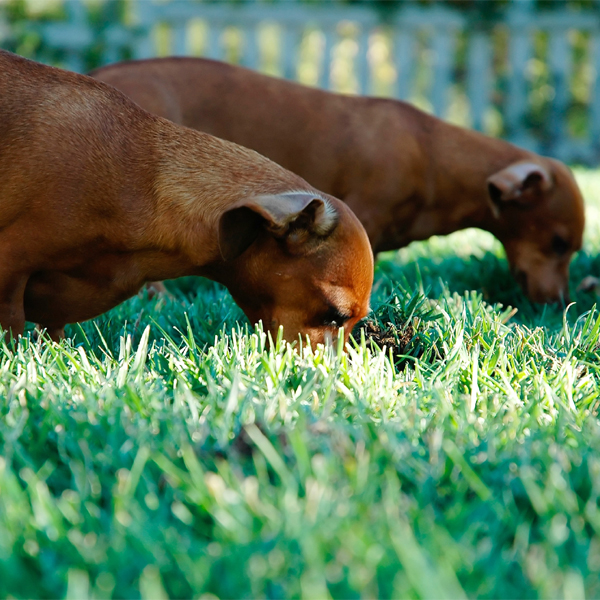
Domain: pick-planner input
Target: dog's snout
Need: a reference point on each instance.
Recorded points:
(544, 285)
(558, 296)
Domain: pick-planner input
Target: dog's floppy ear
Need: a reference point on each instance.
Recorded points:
(522, 182)
(295, 217)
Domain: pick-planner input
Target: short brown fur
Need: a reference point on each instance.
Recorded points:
(98, 197)
(406, 174)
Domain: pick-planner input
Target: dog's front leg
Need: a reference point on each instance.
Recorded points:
(156, 288)
(54, 333)
(12, 310)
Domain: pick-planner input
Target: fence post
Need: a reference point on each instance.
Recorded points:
(594, 113)
(478, 76)
(146, 18)
(251, 55)
(519, 52)
(179, 40)
(443, 47)
(559, 62)
(363, 74)
(330, 35)
(404, 59)
(290, 42)
(214, 46)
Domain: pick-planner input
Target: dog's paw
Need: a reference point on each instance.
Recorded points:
(156, 288)
(589, 284)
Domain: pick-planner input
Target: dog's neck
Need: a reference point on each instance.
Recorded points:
(193, 189)
(461, 161)
(448, 191)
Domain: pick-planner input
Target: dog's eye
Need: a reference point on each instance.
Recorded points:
(334, 318)
(560, 246)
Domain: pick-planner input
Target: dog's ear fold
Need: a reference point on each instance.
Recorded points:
(522, 182)
(294, 217)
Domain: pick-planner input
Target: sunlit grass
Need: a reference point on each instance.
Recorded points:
(165, 449)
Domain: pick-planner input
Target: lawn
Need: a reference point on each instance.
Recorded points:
(165, 450)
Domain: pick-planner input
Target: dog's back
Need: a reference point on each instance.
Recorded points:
(306, 130)
(80, 135)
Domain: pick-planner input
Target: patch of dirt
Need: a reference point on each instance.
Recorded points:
(390, 337)
(243, 445)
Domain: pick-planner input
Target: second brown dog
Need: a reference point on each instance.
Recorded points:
(406, 175)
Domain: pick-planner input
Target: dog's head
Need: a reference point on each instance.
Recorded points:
(539, 218)
(298, 259)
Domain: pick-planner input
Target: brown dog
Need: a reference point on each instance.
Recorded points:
(98, 197)
(406, 174)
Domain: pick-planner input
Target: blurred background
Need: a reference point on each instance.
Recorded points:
(524, 70)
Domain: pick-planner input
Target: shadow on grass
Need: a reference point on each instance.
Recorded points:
(458, 264)
(488, 275)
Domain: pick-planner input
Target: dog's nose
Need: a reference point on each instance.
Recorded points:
(560, 299)
(334, 338)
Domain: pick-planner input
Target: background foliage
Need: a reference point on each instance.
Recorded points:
(556, 114)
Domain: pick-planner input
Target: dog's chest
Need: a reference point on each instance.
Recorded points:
(60, 297)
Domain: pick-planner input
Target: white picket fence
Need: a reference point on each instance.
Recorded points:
(497, 78)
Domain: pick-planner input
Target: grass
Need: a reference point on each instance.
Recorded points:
(164, 450)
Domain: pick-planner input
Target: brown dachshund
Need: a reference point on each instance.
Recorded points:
(98, 197)
(405, 174)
